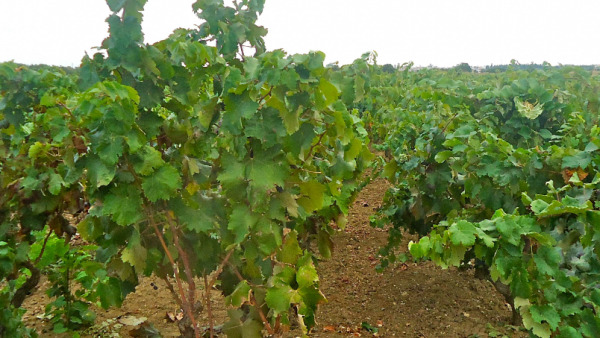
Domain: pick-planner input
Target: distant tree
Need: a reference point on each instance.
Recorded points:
(463, 67)
(388, 68)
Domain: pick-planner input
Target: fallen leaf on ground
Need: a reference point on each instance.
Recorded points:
(146, 330)
(329, 328)
(174, 317)
(132, 320)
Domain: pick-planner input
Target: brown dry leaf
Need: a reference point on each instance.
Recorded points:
(174, 317)
(329, 328)
(582, 174)
(568, 173)
(380, 323)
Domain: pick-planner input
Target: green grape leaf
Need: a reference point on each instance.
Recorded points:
(251, 67)
(240, 295)
(123, 204)
(268, 129)
(38, 149)
(291, 119)
(199, 216)
(512, 227)
(547, 260)
(147, 160)
(539, 329)
(241, 221)
(421, 248)
(110, 150)
(162, 184)
(135, 140)
(110, 293)
(359, 85)
(236, 108)
(55, 183)
(462, 233)
(541, 313)
(48, 100)
(569, 332)
(521, 283)
(264, 172)
(325, 244)
(307, 275)
(99, 173)
(581, 160)
(330, 92)
(442, 156)
(487, 239)
(135, 253)
(233, 171)
(538, 206)
(290, 251)
(279, 299)
(116, 5)
(590, 323)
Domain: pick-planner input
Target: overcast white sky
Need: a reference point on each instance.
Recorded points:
(437, 32)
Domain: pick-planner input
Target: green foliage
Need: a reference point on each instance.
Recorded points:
(499, 172)
(194, 156)
(65, 267)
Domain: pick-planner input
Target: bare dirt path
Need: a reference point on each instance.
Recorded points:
(409, 300)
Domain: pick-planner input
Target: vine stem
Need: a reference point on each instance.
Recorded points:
(449, 121)
(186, 304)
(312, 147)
(262, 316)
(253, 302)
(242, 52)
(262, 98)
(211, 324)
(39, 257)
(185, 259)
(220, 269)
(68, 293)
(172, 290)
(207, 286)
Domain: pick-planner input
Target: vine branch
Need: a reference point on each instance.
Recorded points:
(211, 323)
(39, 257)
(187, 306)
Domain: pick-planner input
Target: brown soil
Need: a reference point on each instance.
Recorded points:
(151, 299)
(408, 300)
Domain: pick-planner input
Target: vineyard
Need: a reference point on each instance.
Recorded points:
(225, 172)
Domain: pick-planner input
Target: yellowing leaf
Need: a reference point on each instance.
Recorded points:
(312, 196)
(529, 110)
(329, 91)
(290, 204)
